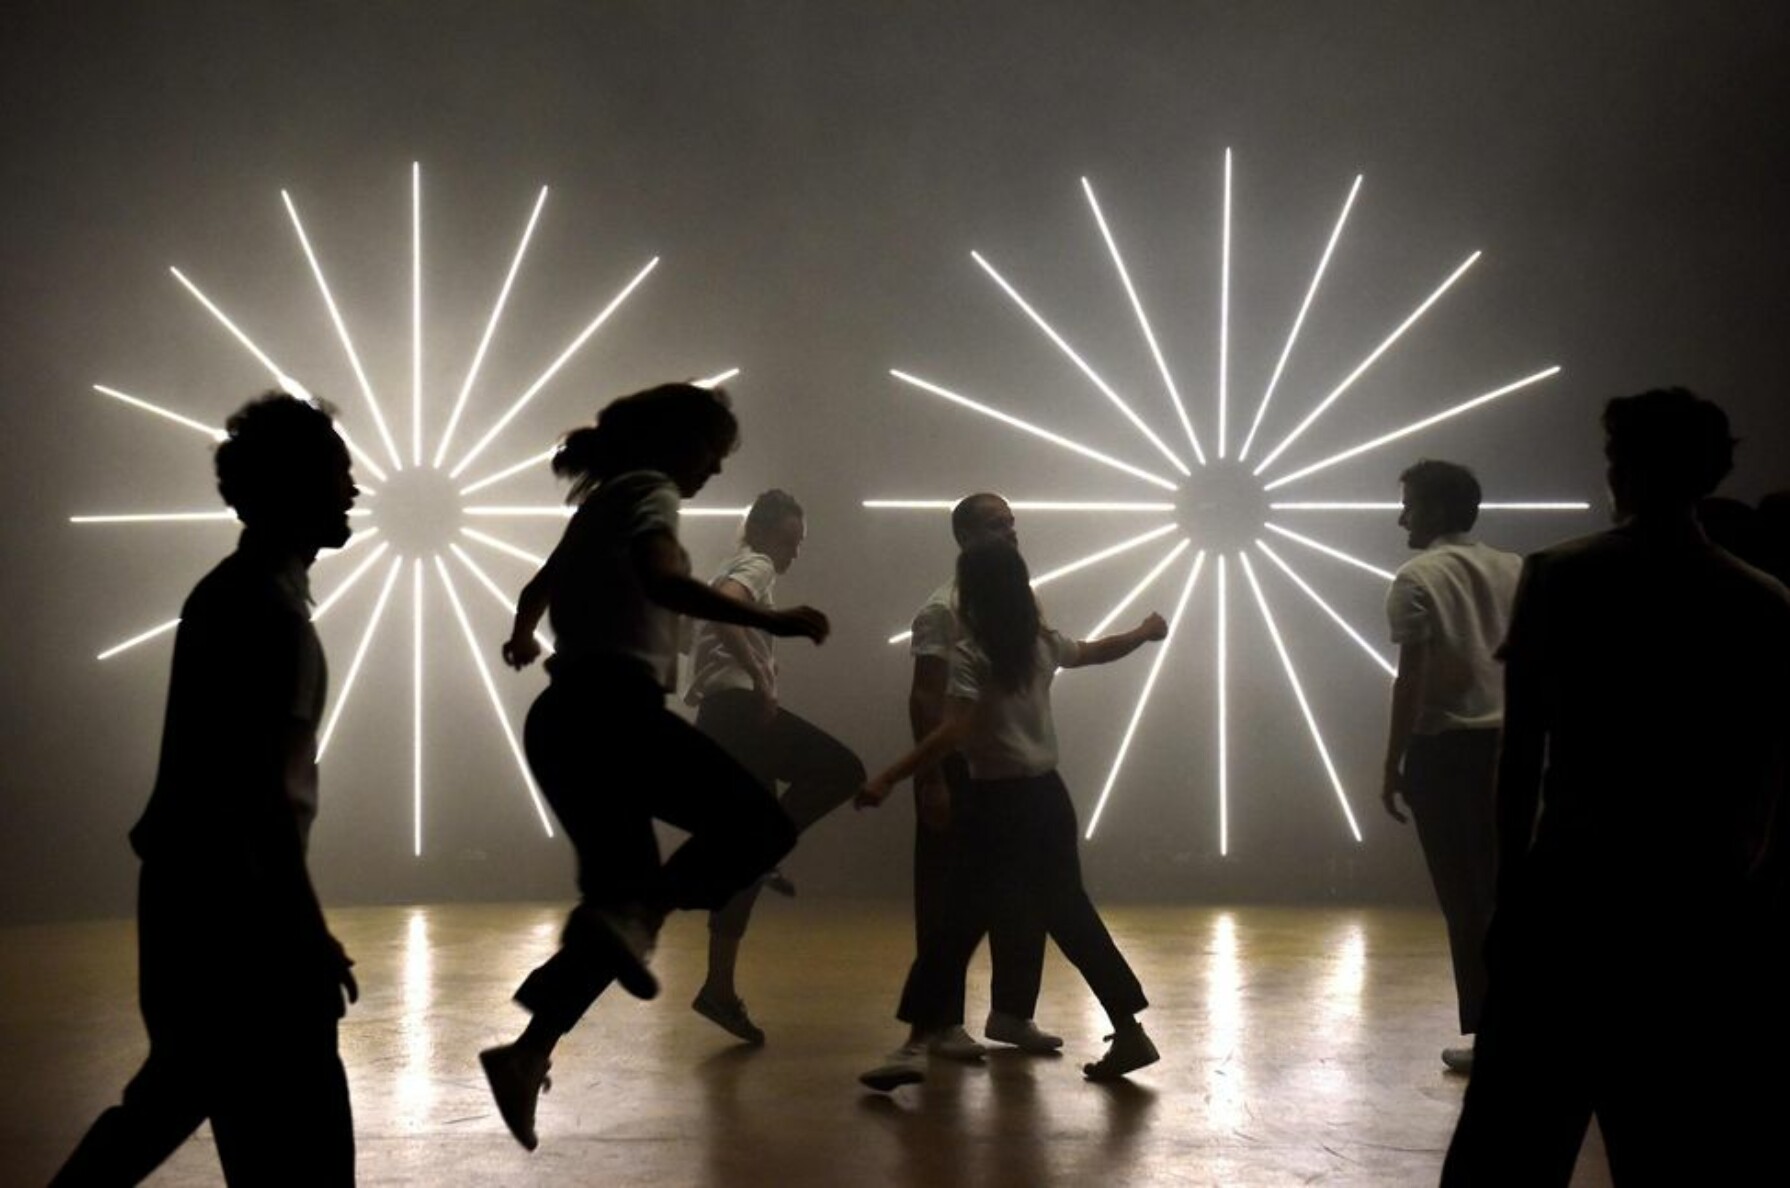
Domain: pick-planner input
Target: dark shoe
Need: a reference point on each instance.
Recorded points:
(730, 1017)
(1131, 1050)
(517, 1078)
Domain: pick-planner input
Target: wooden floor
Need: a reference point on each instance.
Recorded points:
(1300, 1046)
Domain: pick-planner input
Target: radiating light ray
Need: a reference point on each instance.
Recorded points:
(552, 370)
(1143, 321)
(416, 638)
(1414, 427)
(1143, 699)
(1106, 554)
(285, 382)
(1299, 319)
(503, 600)
(715, 381)
(355, 539)
(1026, 505)
(1046, 434)
(1137, 591)
(134, 640)
(1311, 722)
(155, 517)
(1224, 311)
(416, 314)
(1093, 376)
(713, 512)
(1338, 505)
(1391, 669)
(1220, 668)
(565, 511)
(360, 654)
(1327, 550)
(1362, 367)
(478, 356)
(503, 719)
(210, 431)
(543, 458)
(502, 546)
(348, 583)
(335, 316)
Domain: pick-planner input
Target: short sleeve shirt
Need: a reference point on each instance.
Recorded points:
(716, 668)
(1456, 597)
(599, 608)
(1017, 735)
(935, 624)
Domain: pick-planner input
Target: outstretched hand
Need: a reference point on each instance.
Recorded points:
(803, 621)
(520, 651)
(876, 789)
(1154, 627)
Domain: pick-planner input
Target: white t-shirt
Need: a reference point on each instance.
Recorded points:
(1456, 596)
(599, 608)
(716, 668)
(935, 624)
(1016, 735)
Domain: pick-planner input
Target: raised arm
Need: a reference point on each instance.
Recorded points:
(660, 565)
(1116, 647)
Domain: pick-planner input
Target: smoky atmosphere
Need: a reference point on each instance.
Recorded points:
(1149, 230)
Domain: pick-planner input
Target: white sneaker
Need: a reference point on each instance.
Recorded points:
(1023, 1034)
(906, 1065)
(954, 1043)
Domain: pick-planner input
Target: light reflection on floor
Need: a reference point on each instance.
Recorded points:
(1299, 1046)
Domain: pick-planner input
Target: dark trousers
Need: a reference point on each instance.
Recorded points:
(1450, 782)
(237, 1035)
(610, 758)
(1015, 941)
(1016, 860)
(821, 772)
(1652, 1008)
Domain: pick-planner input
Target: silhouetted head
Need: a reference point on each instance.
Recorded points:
(1667, 448)
(1439, 498)
(983, 517)
(285, 470)
(681, 430)
(776, 527)
(999, 611)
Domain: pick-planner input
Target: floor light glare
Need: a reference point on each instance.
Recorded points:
(1143, 321)
(1414, 427)
(1311, 721)
(1361, 368)
(1335, 617)
(1027, 427)
(503, 719)
(1093, 377)
(1143, 699)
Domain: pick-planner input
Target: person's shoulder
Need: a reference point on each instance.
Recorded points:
(634, 486)
(235, 588)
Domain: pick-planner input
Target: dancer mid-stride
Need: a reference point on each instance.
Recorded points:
(608, 755)
(735, 691)
(1016, 849)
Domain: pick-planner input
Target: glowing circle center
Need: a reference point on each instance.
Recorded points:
(1222, 507)
(418, 510)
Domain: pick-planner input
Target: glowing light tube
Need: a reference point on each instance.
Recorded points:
(360, 654)
(1327, 550)
(1335, 617)
(1099, 629)
(210, 431)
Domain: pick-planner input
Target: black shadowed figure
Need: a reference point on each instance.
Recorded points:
(241, 983)
(607, 754)
(1641, 769)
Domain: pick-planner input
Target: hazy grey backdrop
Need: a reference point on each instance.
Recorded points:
(814, 176)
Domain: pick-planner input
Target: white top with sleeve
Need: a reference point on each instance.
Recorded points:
(1455, 596)
(715, 667)
(1015, 735)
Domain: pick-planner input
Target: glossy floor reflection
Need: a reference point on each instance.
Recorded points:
(1300, 1046)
